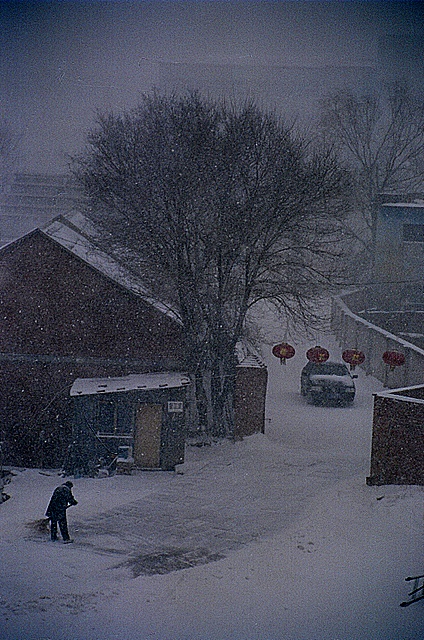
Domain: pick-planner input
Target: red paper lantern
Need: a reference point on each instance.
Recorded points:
(353, 357)
(393, 359)
(284, 351)
(317, 354)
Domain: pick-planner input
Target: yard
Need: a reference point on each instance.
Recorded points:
(273, 537)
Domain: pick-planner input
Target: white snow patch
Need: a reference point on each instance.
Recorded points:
(344, 380)
(141, 381)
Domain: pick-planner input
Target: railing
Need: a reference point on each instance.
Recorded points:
(353, 331)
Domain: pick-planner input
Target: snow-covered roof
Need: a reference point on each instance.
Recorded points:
(403, 394)
(77, 234)
(132, 382)
(248, 357)
(417, 204)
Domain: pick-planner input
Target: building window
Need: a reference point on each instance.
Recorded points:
(413, 233)
(114, 418)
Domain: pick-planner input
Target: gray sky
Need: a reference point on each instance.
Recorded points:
(61, 61)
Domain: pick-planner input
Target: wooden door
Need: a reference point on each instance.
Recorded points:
(148, 424)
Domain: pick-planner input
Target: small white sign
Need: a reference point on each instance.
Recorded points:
(175, 407)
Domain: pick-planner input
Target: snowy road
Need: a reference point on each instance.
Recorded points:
(273, 538)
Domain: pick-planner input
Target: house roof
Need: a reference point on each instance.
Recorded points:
(77, 234)
(418, 204)
(133, 382)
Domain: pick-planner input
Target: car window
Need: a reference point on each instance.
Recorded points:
(329, 368)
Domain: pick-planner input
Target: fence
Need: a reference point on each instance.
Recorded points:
(353, 331)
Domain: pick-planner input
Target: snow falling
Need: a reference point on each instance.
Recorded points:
(276, 536)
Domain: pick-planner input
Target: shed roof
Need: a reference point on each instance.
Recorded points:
(132, 382)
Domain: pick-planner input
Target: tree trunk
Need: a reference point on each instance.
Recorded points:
(215, 399)
(222, 398)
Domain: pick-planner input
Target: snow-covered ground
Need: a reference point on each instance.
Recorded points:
(277, 537)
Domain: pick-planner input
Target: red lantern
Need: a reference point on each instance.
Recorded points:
(393, 359)
(317, 354)
(353, 357)
(284, 351)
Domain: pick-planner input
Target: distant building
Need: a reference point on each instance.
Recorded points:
(399, 251)
(28, 201)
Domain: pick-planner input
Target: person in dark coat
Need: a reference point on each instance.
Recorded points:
(61, 499)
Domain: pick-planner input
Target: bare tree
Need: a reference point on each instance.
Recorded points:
(228, 206)
(381, 137)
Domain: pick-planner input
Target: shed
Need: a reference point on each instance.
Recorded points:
(139, 417)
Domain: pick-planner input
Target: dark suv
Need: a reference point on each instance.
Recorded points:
(327, 383)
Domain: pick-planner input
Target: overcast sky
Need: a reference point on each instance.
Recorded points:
(61, 61)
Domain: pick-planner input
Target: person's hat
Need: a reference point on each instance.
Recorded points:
(69, 484)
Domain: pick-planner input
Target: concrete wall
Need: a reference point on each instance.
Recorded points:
(353, 331)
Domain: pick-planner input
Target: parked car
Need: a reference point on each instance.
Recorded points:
(327, 383)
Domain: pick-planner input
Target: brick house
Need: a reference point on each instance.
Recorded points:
(69, 311)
